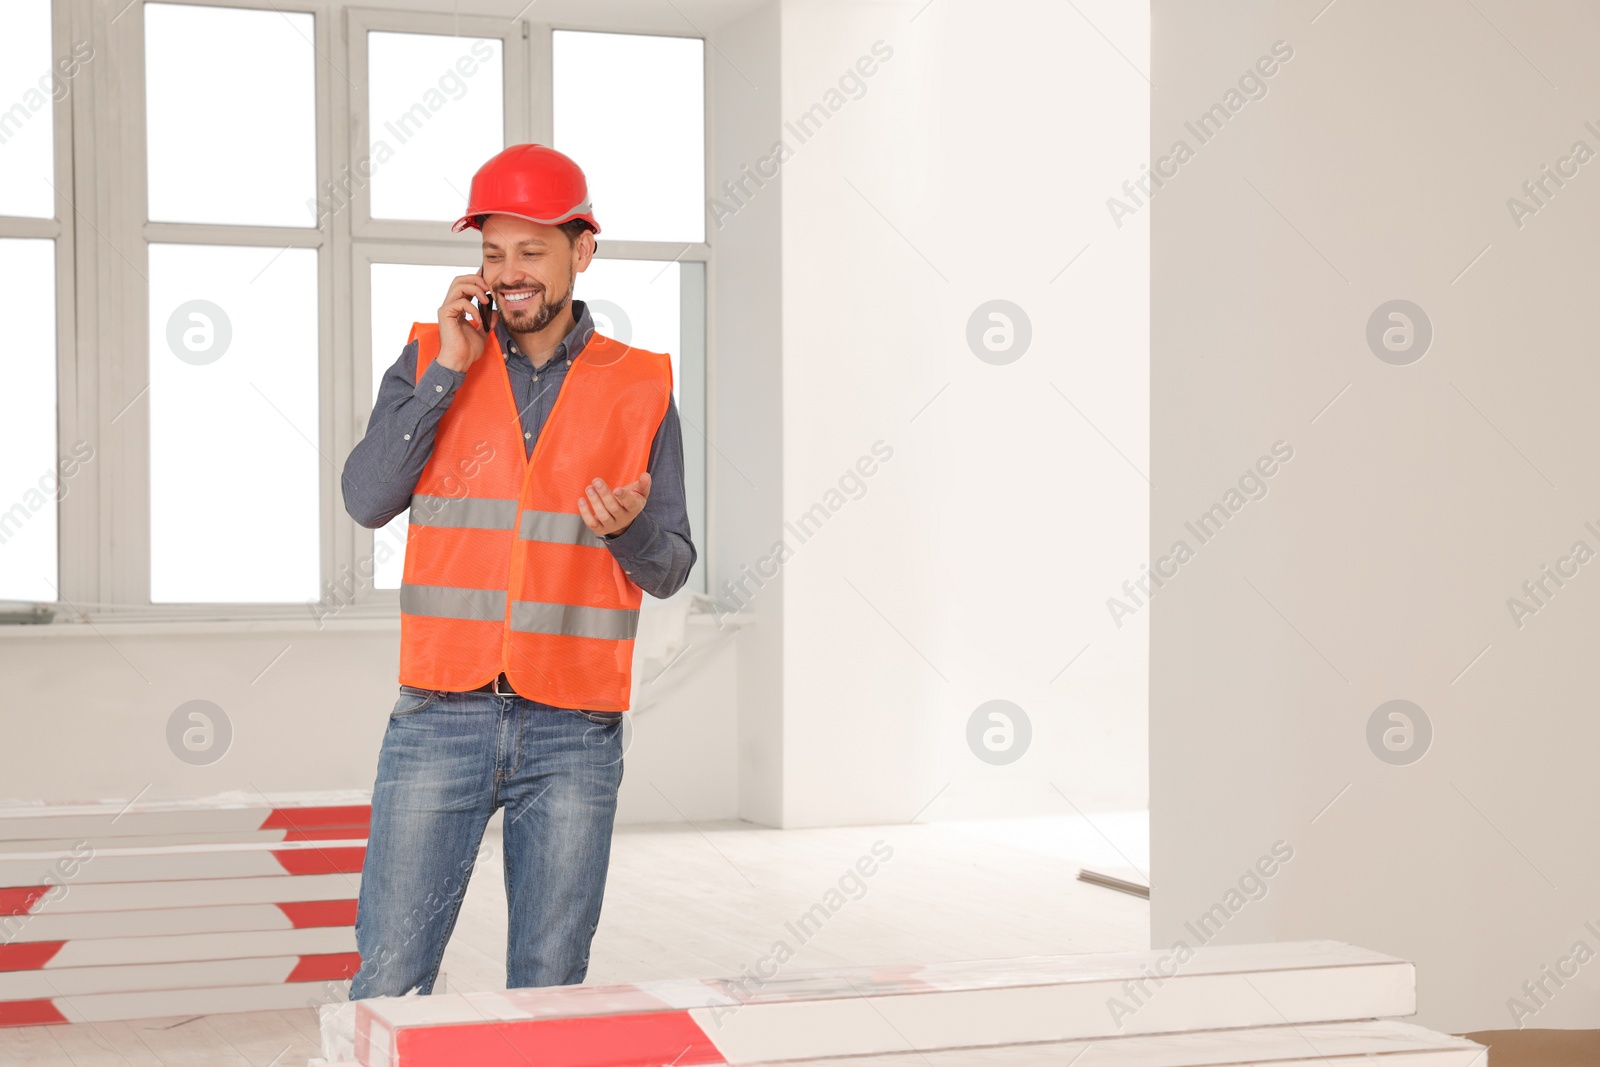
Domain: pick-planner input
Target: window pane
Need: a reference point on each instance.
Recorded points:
(436, 112)
(27, 129)
(637, 301)
(402, 293)
(234, 461)
(29, 485)
(230, 108)
(631, 110)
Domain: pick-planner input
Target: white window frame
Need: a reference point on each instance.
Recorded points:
(74, 509)
(103, 295)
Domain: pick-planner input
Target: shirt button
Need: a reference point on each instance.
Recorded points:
(438, 388)
(408, 437)
(527, 435)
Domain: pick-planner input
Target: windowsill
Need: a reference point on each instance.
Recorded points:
(346, 622)
(195, 627)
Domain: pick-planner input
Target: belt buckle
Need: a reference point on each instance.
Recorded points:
(497, 691)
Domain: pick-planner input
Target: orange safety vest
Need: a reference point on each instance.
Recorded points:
(501, 573)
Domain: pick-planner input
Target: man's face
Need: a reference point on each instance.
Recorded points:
(531, 268)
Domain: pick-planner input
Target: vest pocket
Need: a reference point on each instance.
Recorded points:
(412, 700)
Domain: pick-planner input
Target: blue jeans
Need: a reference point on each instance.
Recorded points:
(448, 761)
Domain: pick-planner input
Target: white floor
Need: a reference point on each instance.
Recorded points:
(713, 900)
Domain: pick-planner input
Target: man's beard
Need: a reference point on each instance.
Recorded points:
(522, 321)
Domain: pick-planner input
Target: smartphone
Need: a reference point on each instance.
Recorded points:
(484, 309)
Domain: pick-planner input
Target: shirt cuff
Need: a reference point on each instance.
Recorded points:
(438, 383)
(632, 541)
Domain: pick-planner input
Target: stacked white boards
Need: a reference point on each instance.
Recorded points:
(123, 910)
(1312, 1002)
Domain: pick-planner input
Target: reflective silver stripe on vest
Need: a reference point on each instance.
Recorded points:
(453, 602)
(557, 527)
(466, 513)
(572, 620)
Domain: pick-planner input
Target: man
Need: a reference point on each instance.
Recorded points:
(543, 466)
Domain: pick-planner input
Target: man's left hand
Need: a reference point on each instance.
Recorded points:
(607, 511)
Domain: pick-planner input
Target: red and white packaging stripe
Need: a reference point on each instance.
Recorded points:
(1346, 1044)
(229, 813)
(51, 925)
(208, 837)
(202, 892)
(175, 948)
(866, 1011)
(105, 1007)
(24, 870)
(189, 974)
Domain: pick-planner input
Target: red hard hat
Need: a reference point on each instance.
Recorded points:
(532, 182)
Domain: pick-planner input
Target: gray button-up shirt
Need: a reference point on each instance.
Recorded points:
(382, 470)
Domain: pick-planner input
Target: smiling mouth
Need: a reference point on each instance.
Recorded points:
(516, 297)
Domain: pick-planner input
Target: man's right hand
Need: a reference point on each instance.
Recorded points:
(461, 342)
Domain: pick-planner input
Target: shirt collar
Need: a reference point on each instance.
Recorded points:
(571, 346)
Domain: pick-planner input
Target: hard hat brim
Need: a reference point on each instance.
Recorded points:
(581, 212)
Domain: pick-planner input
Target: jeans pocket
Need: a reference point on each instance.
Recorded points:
(599, 718)
(412, 700)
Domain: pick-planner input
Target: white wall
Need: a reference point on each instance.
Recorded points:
(745, 460)
(86, 712)
(1380, 563)
(976, 563)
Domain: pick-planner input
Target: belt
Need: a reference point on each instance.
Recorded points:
(501, 686)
